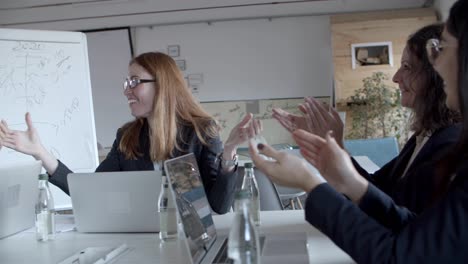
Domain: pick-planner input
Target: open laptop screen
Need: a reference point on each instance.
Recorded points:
(192, 204)
(18, 196)
(119, 201)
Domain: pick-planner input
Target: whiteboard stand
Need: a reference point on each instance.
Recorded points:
(46, 73)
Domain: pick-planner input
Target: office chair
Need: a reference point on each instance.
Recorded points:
(379, 150)
(292, 197)
(269, 197)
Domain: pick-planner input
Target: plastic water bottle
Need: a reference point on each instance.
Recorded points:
(45, 213)
(249, 184)
(243, 243)
(167, 212)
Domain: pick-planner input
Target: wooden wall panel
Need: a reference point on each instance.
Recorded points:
(394, 26)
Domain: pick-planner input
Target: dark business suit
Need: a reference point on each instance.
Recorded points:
(416, 189)
(438, 235)
(218, 186)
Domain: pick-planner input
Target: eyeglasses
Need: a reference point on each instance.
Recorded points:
(434, 48)
(131, 83)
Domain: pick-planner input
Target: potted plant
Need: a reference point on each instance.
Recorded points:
(375, 110)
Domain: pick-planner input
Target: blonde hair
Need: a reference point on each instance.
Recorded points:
(174, 107)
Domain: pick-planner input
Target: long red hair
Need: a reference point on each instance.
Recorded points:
(174, 107)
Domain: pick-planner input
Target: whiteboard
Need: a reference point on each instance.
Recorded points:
(46, 73)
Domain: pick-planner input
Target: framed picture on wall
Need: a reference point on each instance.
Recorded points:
(173, 50)
(372, 53)
(181, 64)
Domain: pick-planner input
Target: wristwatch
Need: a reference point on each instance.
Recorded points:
(228, 163)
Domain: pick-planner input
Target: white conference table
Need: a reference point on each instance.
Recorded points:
(146, 247)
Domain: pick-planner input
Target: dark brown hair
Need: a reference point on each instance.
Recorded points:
(457, 26)
(430, 110)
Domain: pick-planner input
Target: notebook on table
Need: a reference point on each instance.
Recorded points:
(124, 201)
(18, 196)
(203, 244)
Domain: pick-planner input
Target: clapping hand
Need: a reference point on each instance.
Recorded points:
(247, 128)
(321, 118)
(290, 121)
(333, 163)
(283, 168)
(317, 119)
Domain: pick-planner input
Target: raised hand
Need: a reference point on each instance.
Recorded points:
(285, 169)
(321, 118)
(27, 142)
(333, 163)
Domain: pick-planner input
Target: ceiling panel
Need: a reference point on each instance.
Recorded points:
(78, 14)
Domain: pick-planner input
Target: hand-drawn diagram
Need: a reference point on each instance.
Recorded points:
(31, 70)
(229, 114)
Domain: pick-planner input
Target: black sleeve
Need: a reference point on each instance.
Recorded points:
(59, 177)
(381, 177)
(112, 160)
(438, 235)
(219, 185)
(111, 163)
(383, 209)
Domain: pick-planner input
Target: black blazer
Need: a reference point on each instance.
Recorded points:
(219, 186)
(416, 189)
(438, 235)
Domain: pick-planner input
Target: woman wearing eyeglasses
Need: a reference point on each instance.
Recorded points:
(409, 178)
(168, 123)
(439, 234)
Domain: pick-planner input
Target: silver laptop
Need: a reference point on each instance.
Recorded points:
(106, 202)
(18, 196)
(203, 244)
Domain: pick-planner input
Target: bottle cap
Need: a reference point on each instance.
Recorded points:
(248, 165)
(44, 177)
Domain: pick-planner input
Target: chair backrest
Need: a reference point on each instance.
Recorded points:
(269, 198)
(379, 150)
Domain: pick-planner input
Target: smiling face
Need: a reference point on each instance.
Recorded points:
(446, 65)
(409, 83)
(140, 98)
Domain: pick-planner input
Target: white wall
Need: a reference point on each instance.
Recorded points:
(109, 53)
(251, 59)
(443, 8)
(239, 60)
